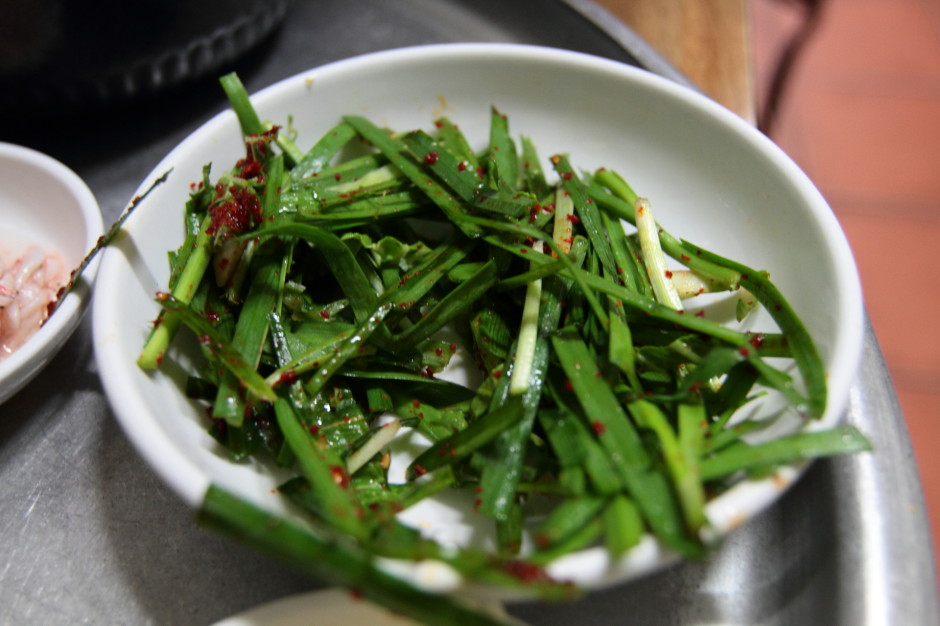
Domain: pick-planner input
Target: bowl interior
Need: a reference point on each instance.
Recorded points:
(711, 179)
(43, 202)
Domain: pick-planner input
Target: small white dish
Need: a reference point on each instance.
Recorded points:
(325, 607)
(713, 178)
(45, 203)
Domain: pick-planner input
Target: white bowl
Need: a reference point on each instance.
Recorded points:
(43, 202)
(712, 178)
(324, 607)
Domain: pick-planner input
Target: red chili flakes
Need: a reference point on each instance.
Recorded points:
(571, 217)
(325, 315)
(339, 475)
(250, 168)
(685, 257)
(568, 386)
(757, 340)
(453, 347)
(744, 352)
(700, 313)
(567, 176)
(462, 166)
(419, 470)
(236, 213)
(526, 572)
(598, 427)
(668, 274)
(287, 378)
(431, 157)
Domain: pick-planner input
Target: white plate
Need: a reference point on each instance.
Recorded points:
(711, 178)
(43, 202)
(327, 607)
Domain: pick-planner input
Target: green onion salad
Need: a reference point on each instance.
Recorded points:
(331, 288)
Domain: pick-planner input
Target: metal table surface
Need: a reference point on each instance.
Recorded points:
(89, 535)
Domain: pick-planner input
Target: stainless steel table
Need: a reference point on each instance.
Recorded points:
(88, 534)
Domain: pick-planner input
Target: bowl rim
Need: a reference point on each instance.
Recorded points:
(727, 512)
(21, 366)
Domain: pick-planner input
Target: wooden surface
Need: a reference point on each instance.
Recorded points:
(707, 40)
